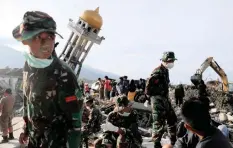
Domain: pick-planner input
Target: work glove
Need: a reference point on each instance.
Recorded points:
(109, 127)
(146, 103)
(165, 140)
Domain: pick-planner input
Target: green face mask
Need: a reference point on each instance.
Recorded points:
(35, 62)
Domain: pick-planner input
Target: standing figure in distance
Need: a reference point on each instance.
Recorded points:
(101, 89)
(107, 88)
(179, 94)
(157, 88)
(52, 96)
(6, 107)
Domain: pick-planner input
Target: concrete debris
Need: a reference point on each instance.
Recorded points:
(212, 104)
(214, 110)
(230, 118)
(223, 117)
(221, 108)
(229, 113)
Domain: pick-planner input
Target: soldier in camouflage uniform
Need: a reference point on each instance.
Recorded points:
(122, 126)
(52, 97)
(94, 121)
(157, 89)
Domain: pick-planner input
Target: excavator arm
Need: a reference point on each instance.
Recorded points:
(214, 65)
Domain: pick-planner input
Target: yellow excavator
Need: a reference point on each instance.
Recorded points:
(226, 86)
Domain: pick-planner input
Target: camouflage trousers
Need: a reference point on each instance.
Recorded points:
(49, 138)
(162, 115)
(6, 124)
(106, 94)
(114, 140)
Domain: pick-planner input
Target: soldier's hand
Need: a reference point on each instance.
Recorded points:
(167, 146)
(154, 137)
(23, 138)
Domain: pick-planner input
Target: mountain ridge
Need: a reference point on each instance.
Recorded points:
(12, 58)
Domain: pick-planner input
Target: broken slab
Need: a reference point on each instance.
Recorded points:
(212, 104)
(230, 118)
(214, 111)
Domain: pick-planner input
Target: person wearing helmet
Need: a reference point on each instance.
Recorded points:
(94, 119)
(52, 97)
(123, 123)
(157, 89)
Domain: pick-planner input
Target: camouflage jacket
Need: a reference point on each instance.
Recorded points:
(94, 122)
(52, 99)
(127, 124)
(158, 82)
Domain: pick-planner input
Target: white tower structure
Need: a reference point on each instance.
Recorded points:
(84, 34)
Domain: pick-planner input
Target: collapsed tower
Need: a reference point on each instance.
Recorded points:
(84, 34)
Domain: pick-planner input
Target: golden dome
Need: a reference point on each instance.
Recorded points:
(93, 18)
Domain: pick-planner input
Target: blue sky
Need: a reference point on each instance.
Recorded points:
(137, 32)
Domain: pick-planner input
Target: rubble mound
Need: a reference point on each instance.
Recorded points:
(222, 100)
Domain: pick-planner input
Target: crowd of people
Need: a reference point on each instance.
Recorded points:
(54, 102)
(195, 130)
(108, 88)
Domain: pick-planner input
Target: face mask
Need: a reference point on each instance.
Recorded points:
(35, 62)
(120, 108)
(168, 65)
(125, 114)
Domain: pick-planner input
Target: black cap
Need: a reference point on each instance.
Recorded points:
(122, 101)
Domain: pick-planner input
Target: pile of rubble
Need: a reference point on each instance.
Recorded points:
(221, 107)
(221, 104)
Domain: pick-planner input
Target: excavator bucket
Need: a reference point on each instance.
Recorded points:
(196, 79)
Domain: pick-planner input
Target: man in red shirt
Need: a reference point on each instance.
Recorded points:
(107, 88)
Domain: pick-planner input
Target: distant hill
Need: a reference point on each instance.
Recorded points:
(12, 58)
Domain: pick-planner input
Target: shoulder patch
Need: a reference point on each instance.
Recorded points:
(70, 98)
(156, 70)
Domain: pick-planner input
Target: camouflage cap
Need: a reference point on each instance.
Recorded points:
(168, 56)
(34, 22)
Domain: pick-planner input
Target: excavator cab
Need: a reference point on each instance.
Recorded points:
(230, 86)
